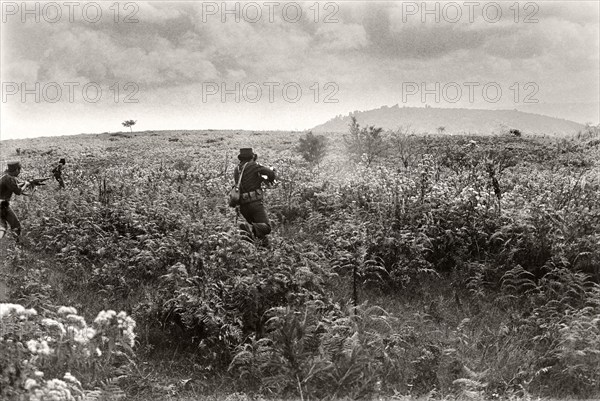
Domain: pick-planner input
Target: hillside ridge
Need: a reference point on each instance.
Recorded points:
(454, 120)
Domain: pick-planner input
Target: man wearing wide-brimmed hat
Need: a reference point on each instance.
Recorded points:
(9, 185)
(251, 194)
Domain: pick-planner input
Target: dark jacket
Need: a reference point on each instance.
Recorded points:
(9, 186)
(251, 179)
(57, 171)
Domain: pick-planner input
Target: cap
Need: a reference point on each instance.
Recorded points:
(13, 165)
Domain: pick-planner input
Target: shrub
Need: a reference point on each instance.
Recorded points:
(589, 132)
(323, 351)
(226, 301)
(313, 148)
(404, 145)
(366, 144)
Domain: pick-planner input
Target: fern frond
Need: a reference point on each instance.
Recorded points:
(517, 280)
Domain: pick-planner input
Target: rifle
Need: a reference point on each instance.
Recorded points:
(34, 183)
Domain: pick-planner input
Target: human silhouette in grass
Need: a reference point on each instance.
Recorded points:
(9, 185)
(57, 172)
(251, 204)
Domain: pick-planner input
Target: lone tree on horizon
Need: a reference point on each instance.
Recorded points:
(129, 123)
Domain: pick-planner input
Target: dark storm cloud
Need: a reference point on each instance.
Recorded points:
(369, 52)
(395, 34)
(153, 51)
(395, 40)
(421, 41)
(171, 44)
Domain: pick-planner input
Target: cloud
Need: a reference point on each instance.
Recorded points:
(20, 70)
(264, 50)
(394, 35)
(398, 31)
(75, 53)
(578, 12)
(368, 53)
(154, 12)
(236, 75)
(339, 37)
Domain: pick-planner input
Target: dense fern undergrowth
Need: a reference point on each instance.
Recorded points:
(400, 266)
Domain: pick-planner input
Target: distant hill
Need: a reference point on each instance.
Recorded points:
(455, 121)
(588, 112)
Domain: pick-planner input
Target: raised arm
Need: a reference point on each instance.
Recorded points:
(267, 172)
(17, 187)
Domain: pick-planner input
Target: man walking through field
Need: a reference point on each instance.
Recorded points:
(9, 185)
(57, 172)
(251, 194)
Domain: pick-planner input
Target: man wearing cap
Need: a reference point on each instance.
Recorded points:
(57, 172)
(9, 185)
(251, 194)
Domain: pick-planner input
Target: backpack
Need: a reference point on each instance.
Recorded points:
(234, 192)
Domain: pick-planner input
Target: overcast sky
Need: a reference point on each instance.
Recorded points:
(288, 66)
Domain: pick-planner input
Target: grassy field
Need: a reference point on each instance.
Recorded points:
(400, 267)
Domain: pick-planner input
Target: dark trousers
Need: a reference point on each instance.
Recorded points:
(256, 214)
(61, 183)
(8, 216)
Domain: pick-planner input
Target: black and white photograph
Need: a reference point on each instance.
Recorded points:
(300, 200)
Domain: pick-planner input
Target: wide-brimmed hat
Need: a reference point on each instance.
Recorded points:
(246, 153)
(12, 166)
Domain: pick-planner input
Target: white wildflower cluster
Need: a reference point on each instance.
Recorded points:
(67, 310)
(71, 379)
(470, 195)
(75, 326)
(53, 324)
(76, 320)
(8, 309)
(104, 318)
(52, 390)
(30, 384)
(16, 309)
(45, 338)
(125, 323)
(81, 335)
(39, 347)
